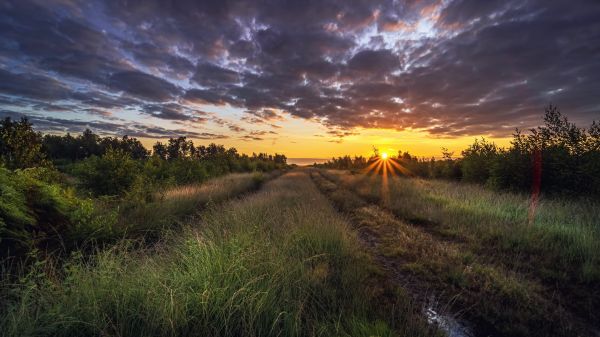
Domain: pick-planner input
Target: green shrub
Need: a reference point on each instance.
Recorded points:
(20, 145)
(36, 212)
(111, 174)
(476, 161)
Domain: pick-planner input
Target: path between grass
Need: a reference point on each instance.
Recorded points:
(494, 300)
(279, 262)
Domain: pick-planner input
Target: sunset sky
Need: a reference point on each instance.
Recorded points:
(304, 78)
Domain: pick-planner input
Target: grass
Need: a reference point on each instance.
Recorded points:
(281, 262)
(173, 204)
(146, 219)
(476, 248)
(562, 244)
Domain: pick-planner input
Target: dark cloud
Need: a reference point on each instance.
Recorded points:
(236, 128)
(457, 67)
(32, 86)
(162, 60)
(257, 135)
(61, 125)
(143, 85)
(374, 62)
(212, 75)
(175, 112)
(213, 97)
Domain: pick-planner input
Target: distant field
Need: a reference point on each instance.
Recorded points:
(306, 161)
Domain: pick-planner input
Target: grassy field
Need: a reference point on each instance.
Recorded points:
(322, 253)
(281, 262)
(171, 205)
(510, 274)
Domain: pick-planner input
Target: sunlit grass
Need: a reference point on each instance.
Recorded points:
(281, 262)
(476, 249)
(172, 204)
(565, 234)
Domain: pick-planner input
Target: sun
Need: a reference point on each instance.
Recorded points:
(384, 156)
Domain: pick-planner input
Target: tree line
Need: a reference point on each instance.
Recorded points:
(61, 191)
(112, 165)
(559, 156)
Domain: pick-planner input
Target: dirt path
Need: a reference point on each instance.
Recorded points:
(445, 276)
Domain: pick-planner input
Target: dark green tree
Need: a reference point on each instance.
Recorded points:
(20, 145)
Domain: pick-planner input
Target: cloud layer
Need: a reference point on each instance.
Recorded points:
(452, 67)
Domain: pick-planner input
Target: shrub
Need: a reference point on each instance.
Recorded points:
(20, 146)
(476, 161)
(111, 174)
(569, 158)
(38, 213)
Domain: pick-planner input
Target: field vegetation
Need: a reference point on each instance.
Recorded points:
(279, 262)
(481, 250)
(60, 194)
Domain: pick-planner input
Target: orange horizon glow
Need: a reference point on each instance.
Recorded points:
(308, 138)
(299, 142)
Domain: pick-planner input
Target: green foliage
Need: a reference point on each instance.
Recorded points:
(346, 163)
(475, 164)
(480, 243)
(69, 148)
(568, 160)
(36, 212)
(147, 210)
(20, 145)
(111, 174)
(512, 170)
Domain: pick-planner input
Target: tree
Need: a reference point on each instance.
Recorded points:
(160, 150)
(111, 174)
(20, 145)
(477, 161)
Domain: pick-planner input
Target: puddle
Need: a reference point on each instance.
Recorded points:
(448, 324)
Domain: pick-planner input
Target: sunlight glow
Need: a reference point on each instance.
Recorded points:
(386, 166)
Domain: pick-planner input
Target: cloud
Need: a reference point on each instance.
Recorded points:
(32, 86)
(212, 75)
(257, 135)
(374, 62)
(143, 85)
(175, 112)
(60, 125)
(452, 68)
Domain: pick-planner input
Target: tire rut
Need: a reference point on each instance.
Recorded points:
(379, 230)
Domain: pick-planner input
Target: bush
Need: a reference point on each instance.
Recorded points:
(511, 170)
(20, 146)
(111, 174)
(36, 212)
(475, 164)
(569, 158)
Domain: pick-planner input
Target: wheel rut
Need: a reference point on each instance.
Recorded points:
(456, 288)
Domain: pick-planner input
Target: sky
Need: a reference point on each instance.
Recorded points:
(300, 77)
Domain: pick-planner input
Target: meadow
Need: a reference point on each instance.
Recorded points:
(508, 271)
(278, 262)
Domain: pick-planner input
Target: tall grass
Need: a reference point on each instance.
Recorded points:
(280, 262)
(453, 255)
(563, 240)
(172, 204)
